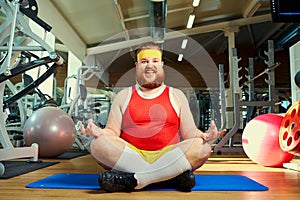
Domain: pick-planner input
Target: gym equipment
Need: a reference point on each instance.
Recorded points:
(15, 36)
(2, 169)
(289, 135)
(15, 126)
(260, 141)
(294, 72)
(157, 20)
(52, 129)
(267, 70)
(16, 168)
(11, 26)
(238, 104)
(86, 106)
(45, 99)
(297, 79)
(204, 182)
(73, 153)
(292, 166)
(53, 57)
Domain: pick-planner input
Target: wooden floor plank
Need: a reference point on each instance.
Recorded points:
(282, 183)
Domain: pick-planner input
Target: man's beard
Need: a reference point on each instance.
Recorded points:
(151, 85)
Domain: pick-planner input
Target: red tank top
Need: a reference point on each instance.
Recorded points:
(150, 124)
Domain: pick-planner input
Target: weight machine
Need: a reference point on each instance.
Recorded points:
(13, 30)
(238, 103)
(86, 106)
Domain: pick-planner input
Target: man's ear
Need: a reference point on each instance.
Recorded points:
(136, 64)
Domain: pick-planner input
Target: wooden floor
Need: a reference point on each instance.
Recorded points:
(283, 183)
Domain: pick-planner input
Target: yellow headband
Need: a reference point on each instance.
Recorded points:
(149, 53)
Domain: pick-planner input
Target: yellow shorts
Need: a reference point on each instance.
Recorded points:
(151, 156)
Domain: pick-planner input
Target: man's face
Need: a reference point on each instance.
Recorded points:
(149, 72)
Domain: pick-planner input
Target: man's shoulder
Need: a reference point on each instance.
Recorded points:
(123, 92)
(175, 90)
(177, 94)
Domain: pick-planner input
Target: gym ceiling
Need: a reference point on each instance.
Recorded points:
(81, 25)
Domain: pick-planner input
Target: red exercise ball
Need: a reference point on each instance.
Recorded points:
(260, 141)
(52, 129)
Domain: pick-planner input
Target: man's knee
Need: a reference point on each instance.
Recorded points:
(96, 143)
(107, 145)
(199, 152)
(206, 150)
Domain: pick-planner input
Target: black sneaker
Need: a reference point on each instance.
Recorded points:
(183, 182)
(117, 181)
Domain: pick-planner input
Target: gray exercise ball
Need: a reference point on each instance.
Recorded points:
(52, 129)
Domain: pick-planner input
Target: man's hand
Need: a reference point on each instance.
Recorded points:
(91, 129)
(212, 133)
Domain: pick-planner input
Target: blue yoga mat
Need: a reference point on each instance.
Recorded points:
(203, 183)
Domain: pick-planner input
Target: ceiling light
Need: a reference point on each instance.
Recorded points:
(184, 43)
(180, 56)
(196, 3)
(190, 21)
